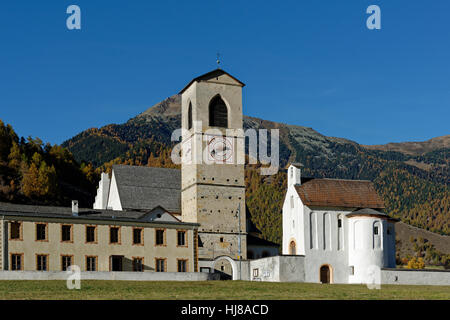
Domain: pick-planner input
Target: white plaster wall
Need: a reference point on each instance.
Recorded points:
(101, 199)
(363, 252)
(415, 277)
(127, 276)
(114, 198)
(293, 222)
(317, 256)
(278, 269)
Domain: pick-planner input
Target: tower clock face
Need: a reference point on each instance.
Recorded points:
(220, 149)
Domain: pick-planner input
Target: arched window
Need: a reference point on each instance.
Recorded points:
(340, 233)
(218, 113)
(190, 116)
(292, 248)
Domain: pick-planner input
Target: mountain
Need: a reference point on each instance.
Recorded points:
(415, 148)
(413, 182)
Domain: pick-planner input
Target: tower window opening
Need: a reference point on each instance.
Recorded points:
(190, 116)
(218, 113)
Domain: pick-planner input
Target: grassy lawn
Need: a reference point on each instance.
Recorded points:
(92, 289)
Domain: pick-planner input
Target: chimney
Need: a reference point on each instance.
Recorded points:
(75, 208)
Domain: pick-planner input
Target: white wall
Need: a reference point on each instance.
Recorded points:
(278, 269)
(367, 249)
(101, 199)
(415, 277)
(293, 218)
(129, 276)
(114, 198)
(318, 254)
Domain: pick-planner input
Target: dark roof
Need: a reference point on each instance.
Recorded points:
(256, 241)
(210, 75)
(339, 193)
(144, 188)
(21, 210)
(369, 212)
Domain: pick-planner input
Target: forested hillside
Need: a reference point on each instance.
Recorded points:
(31, 172)
(414, 186)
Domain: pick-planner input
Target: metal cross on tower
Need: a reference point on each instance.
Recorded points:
(218, 60)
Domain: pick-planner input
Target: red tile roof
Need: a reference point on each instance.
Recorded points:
(339, 193)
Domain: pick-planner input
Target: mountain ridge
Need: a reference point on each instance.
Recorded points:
(415, 188)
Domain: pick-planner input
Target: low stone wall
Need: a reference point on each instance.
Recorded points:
(278, 269)
(128, 276)
(415, 277)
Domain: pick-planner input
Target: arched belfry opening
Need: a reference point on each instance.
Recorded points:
(218, 113)
(189, 116)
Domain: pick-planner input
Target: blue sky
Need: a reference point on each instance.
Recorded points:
(309, 63)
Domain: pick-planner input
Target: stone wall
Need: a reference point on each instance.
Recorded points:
(415, 277)
(278, 269)
(128, 276)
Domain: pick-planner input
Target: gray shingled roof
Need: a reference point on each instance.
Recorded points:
(20, 210)
(144, 188)
(369, 212)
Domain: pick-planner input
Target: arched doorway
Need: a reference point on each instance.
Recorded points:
(226, 267)
(292, 248)
(325, 274)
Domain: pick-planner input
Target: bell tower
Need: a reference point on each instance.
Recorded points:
(212, 170)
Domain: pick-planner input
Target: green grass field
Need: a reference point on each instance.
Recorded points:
(91, 289)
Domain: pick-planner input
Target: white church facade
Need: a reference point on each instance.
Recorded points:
(339, 228)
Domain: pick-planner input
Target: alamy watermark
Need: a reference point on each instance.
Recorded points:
(214, 147)
(73, 277)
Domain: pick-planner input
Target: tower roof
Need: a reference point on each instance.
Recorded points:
(211, 75)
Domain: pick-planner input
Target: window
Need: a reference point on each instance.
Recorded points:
(114, 235)
(190, 116)
(352, 270)
(91, 234)
(339, 223)
(138, 264)
(137, 236)
(15, 231)
(41, 263)
(66, 233)
(292, 172)
(116, 263)
(41, 232)
(160, 235)
(16, 262)
(221, 239)
(181, 238)
(218, 113)
(91, 263)
(255, 272)
(292, 202)
(160, 265)
(205, 269)
(375, 230)
(66, 261)
(182, 265)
